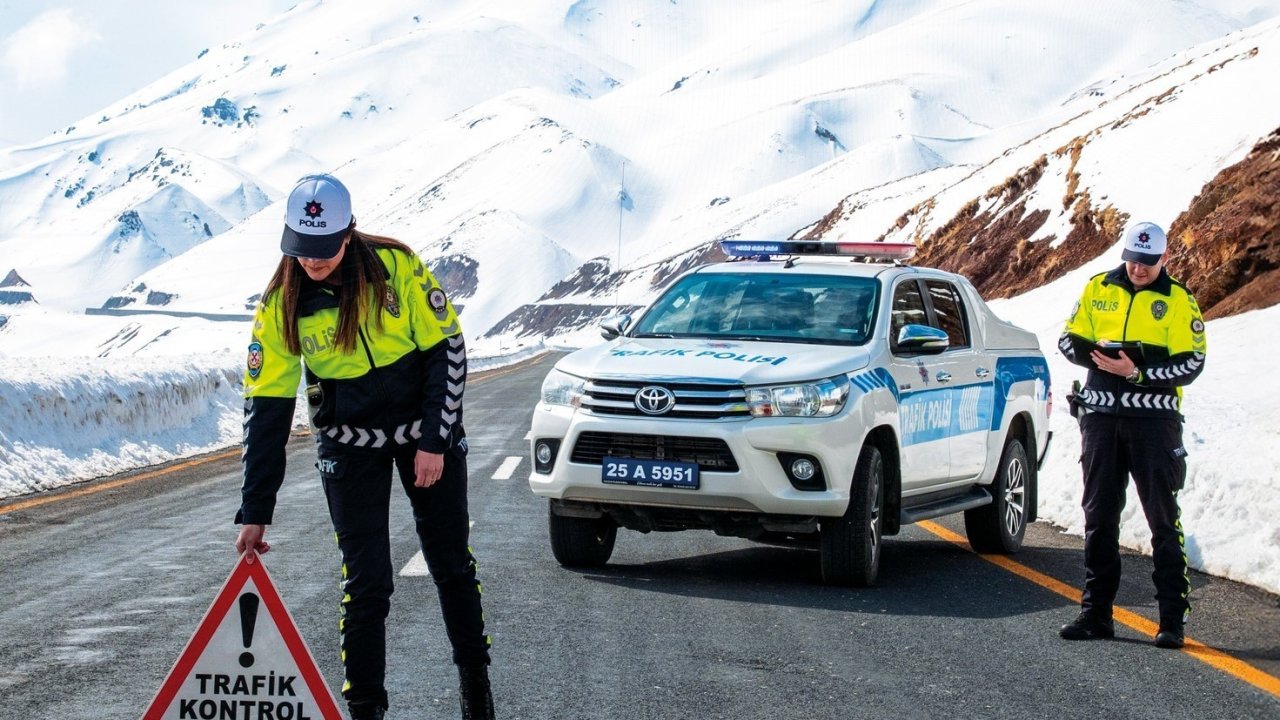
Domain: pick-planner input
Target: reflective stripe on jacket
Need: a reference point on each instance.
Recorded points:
(1163, 316)
(403, 383)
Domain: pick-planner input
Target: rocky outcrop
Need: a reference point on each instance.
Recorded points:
(13, 290)
(987, 241)
(457, 274)
(548, 320)
(1226, 245)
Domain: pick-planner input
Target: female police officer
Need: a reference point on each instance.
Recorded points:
(385, 364)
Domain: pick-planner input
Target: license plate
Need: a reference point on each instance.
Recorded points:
(649, 473)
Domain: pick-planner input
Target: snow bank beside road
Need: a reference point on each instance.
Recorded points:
(66, 420)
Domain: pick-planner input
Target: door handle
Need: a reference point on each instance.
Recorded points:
(943, 376)
(982, 372)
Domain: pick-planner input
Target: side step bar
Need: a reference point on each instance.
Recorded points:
(931, 506)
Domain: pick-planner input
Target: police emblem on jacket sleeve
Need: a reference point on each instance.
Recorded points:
(437, 300)
(1158, 309)
(254, 361)
(392, 302)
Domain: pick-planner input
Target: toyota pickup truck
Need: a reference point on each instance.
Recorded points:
(820, 394)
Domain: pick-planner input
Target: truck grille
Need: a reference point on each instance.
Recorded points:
(710, 454)
(701, 401)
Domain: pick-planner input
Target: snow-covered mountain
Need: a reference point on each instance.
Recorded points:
(518, 144)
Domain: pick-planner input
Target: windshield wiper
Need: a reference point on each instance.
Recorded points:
(653, 335)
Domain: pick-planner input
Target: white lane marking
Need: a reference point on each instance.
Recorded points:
(417, 566)
(529, 434)
(507, 468)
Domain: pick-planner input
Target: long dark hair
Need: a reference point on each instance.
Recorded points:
(363, 296)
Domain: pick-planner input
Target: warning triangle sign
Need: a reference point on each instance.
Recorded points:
(246, 660)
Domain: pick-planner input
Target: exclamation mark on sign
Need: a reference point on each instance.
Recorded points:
(248, 617)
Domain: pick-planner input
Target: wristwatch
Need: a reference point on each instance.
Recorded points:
(1134, 375)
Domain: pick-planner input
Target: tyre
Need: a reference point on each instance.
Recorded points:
(581, 542)
(1000, 527)
(850, 545)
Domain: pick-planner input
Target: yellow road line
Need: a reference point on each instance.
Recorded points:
(109, 484)
(1211, 656)
(99, 487)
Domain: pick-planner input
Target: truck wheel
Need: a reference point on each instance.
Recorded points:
(851, 544)
(1000, 526)
(581, 542)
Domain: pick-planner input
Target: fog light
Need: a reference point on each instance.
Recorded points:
(544, 454)
(803, 469)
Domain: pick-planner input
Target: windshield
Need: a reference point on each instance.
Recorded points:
(781, 307)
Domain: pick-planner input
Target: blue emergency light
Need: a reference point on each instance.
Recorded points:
(765, 249)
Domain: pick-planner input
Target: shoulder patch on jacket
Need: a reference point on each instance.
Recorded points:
(437, 299)
(254, 362)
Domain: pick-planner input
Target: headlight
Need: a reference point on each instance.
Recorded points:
(561, 388)
(823, 398)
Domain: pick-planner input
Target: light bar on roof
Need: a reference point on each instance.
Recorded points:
(874, 250)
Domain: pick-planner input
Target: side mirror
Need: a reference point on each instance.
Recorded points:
(922, 339)
(614, 326)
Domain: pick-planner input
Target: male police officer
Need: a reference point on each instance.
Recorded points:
(1130, 424)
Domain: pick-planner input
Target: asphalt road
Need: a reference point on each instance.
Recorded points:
(103, 589)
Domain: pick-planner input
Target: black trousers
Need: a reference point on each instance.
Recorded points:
(1150, 450)
(357, 484)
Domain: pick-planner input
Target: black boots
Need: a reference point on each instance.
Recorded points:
(1170, 636)
(1087, 626)
(366, 712)
(473, 692)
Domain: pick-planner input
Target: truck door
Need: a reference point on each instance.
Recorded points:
(969, 377)
(923, 402)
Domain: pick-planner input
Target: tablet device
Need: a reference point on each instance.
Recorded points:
(1113, 349)
(1084, 349)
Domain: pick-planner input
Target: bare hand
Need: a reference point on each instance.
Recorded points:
(427, 468)
(1121, 366)
(250, 538)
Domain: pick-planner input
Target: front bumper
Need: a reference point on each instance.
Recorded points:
(759, 485)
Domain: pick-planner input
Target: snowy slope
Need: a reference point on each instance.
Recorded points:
(693, 104)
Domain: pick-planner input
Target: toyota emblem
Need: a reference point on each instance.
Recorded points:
(654, 400)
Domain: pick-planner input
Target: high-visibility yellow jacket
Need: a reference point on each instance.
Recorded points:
(1163, 316)
(403, 384)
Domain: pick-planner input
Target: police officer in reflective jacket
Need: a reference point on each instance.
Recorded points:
(383, 355)
(1131, 424)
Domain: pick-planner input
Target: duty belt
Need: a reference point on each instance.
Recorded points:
(374, 437)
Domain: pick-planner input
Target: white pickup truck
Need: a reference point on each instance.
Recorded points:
(796, 394)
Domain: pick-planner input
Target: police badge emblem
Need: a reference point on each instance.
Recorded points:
(437, 300)
(1158, 309)
(254, 362)
(392, 302)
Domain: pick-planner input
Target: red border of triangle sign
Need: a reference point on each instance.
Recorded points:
(244, 663)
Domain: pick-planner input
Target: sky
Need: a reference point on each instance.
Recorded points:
(61, 60)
